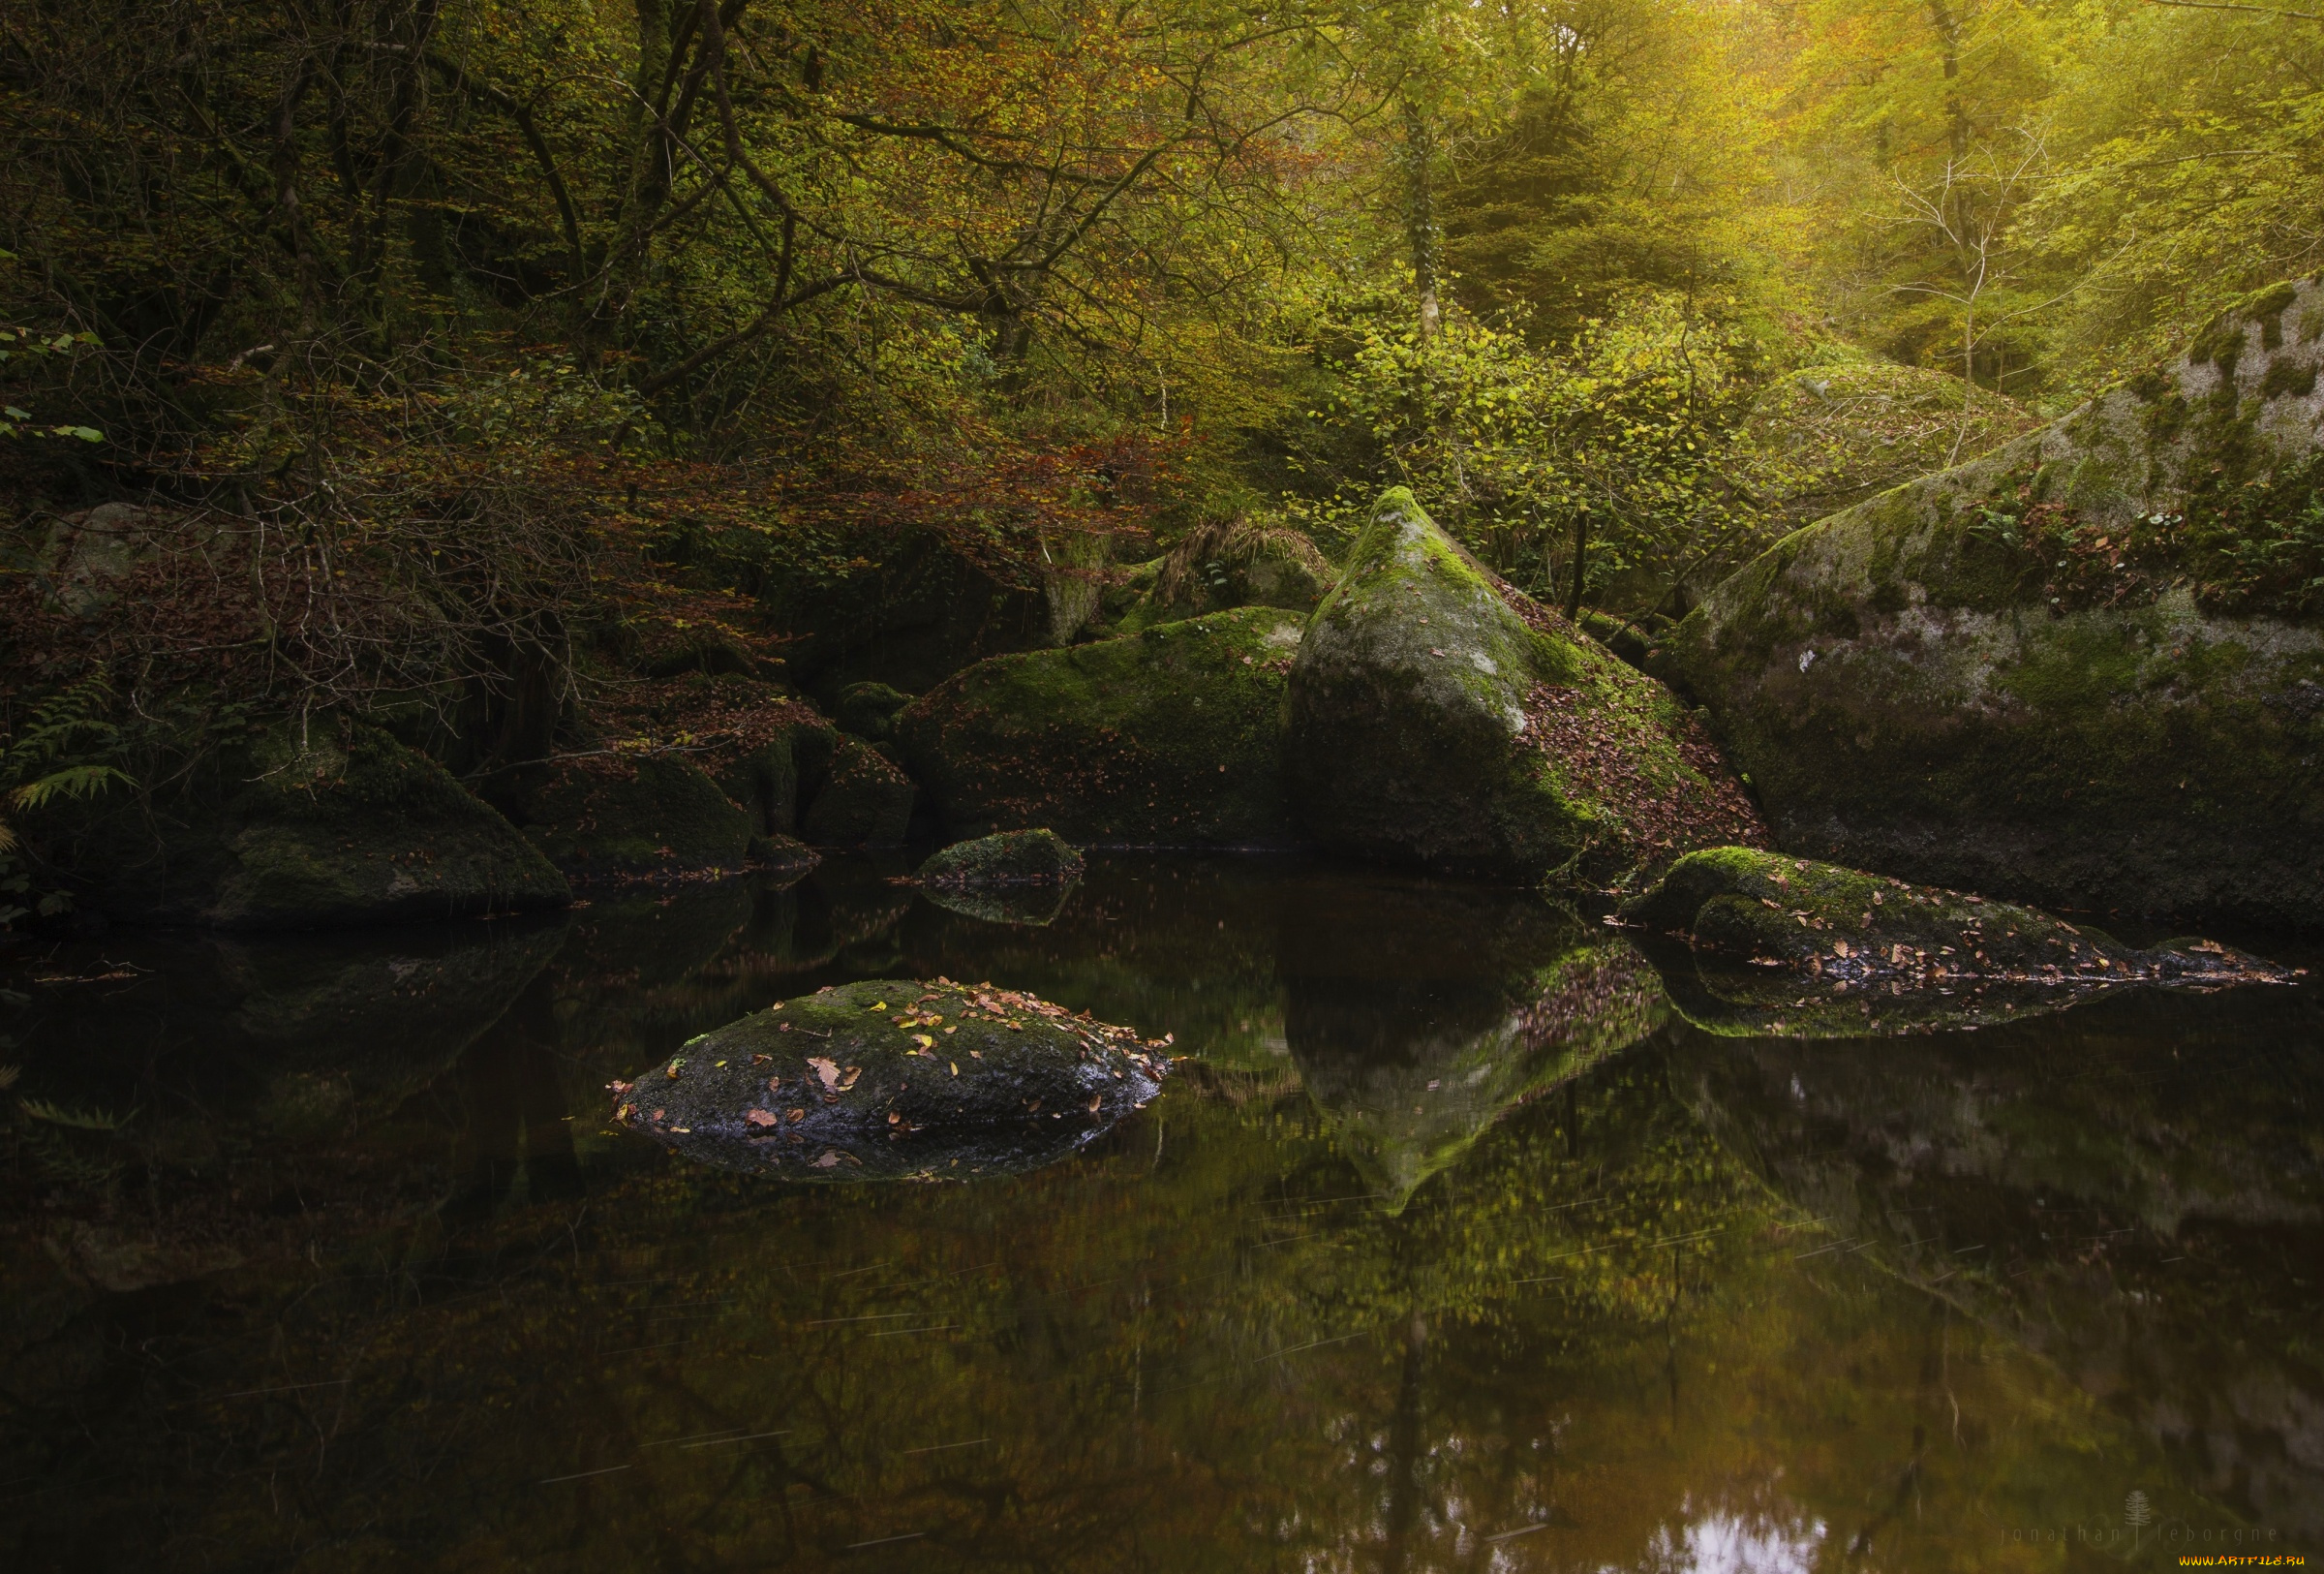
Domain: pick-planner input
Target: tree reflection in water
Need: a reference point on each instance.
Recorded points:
(1612, 1294)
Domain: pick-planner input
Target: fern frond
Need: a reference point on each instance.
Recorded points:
(72, 782)
(79, 1119)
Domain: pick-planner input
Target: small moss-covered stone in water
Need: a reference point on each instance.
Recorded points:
(1866, 947)
(896, 1079)
(1036, 857)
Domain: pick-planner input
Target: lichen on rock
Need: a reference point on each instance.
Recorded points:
(1168, 737)
(1438, 715)
(2087, 669)
(896, 1079)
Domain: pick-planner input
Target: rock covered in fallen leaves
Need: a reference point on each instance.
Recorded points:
(1036, 857)
(1438, 715)
(896, 1079)
(1882, 953)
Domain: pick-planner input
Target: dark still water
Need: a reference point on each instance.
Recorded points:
(1460, 1247)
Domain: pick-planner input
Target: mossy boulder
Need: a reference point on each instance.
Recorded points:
(1036, 857)
(866, 801)
(868, 709)
(1168, 737)
(2086, 670)
(343, 826)
(624, 817)
(1853, 947)
(1439, 716)
(895, 1078)
(1229, 563)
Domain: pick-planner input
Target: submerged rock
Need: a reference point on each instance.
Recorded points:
(895, 1078)
(1437, 715)
(1169, 737)
(333, 830)
(1878, 954)
(1036, 857)
(2086, 670)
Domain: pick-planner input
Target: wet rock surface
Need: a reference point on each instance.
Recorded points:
(896, 1079)
(1437, 716)
(1813, 949)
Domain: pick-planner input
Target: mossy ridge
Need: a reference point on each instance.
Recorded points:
(896, 1079)
(1167, 737)
(1855, 929)
(1438, 713)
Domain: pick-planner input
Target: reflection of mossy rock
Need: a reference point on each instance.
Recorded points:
(2087, 669)
(1036, 906)
(1036, 857)
(865, 802)
(864, 1081)
(657, 815)
(1853, 953)
(281, 834)
(2094, 1188)
(1168, 737)
(868, 709)
(1418, 1016)
(1436, 716)
(785, 852)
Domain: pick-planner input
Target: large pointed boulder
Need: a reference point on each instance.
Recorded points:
(2086, 670)
(1436, 715)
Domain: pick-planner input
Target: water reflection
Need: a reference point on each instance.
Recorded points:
(1618, 1296)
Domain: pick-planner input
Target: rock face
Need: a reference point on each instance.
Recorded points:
(323, 833)
(1436, 716)
(2085, 670)
(895, 1078)
(614, 817)
(865, 802)
(1169, 737)
(1036, 857)
(1854, 947)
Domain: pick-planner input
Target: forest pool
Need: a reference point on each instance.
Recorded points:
(1469, 1238)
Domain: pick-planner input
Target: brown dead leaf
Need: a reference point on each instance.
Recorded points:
(827, 1070)
(760, 1117)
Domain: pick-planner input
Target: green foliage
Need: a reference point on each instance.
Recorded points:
(1632, 439)
(59, 753)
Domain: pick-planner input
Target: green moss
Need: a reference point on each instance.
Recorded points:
(1036, 857)
(1169, 736)
(2287, 380)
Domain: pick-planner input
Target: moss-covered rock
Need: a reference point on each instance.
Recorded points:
(775, 777)
(865, 802)
(619, 816)
(1437, 715)
(895, 1078)
(339, 827)
(1173, 736)
(868, 709)
(1229, 563)
(1852, 948)
(2086, 670)
(1036, 857)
